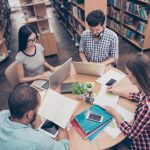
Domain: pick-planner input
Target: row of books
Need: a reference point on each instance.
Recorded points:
(136, 9)
(114, 13)
(135, 23)
(89, 129)
(134, 36)
(113, 25)
(116, 3)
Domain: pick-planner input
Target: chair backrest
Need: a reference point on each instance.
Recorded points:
(11, 74)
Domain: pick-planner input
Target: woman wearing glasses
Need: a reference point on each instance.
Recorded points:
(30, 60)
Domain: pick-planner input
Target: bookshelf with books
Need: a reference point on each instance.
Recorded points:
(131, 19)
(4, 29)
(72, 14)
(35, 14)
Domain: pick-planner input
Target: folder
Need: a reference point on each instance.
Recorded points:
(89, 126)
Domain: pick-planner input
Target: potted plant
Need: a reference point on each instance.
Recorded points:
(79, 89)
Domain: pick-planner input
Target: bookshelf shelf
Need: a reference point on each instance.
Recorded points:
(73, 13)
(35, 14)
(134, 21)
(133, 28)
(4, 29)
(81, 6)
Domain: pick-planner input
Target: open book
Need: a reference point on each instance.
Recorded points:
(57, 108)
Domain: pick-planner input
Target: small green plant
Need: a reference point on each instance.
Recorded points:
(79, 88)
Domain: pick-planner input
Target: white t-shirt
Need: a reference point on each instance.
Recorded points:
(33, 64)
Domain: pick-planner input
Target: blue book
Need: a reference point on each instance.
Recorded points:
(89, 126)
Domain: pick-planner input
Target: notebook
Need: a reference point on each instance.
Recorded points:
(67, 87)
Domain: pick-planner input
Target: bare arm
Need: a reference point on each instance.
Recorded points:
(82, 56)
(22, 78)
(110, 61)
(48, 66)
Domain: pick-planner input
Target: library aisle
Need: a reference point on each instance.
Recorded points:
(66, 48)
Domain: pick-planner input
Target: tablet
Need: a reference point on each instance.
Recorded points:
(49, 128)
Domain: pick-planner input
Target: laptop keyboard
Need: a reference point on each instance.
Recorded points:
(46, 85)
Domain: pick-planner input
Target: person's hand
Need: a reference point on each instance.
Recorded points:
(44, 76)
(113, 90)
(62, 134)
(113, 112)
(52, 69)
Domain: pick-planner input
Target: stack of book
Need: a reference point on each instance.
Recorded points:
(89, 129)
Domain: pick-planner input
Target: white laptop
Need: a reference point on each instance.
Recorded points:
(94, 69)
(55, 78)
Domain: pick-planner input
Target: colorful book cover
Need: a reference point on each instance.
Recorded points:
(89, 126)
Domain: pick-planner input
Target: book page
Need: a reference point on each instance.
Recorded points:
(57, 108)
(111, 74)
(112, 129)
(106, 99)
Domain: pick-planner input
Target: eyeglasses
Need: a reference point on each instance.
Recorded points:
(31, 40)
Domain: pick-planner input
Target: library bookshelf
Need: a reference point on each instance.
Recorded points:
(131, 20)
(72, 14)
(35, 14)
(4, 29)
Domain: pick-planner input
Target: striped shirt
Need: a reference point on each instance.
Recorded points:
(101, 50)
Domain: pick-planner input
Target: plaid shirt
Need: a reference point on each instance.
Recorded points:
(139, 130)
(101, 50)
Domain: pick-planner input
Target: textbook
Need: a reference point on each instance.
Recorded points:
(89, 126)
(91, 136)
(57, 108)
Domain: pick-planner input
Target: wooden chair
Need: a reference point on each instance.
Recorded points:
(11, 74)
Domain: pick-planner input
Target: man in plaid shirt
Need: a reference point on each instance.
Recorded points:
(98, 44)
(138, 70)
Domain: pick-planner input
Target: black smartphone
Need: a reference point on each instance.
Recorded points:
(111, 82)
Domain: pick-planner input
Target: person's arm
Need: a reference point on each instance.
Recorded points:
(110, 61)
(118, 91)
(48, 66)
(82, 56)
(22, 78)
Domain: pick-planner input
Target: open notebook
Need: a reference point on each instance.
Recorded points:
(57, 108)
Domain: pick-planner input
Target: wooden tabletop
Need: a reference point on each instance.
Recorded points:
(103, 140)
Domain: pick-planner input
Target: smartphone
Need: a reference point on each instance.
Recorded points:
(49, 128)
(111, 82)
(94, 117)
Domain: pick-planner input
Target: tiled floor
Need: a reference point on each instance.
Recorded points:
(66, 49)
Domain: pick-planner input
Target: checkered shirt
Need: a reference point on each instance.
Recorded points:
(139, 130)
(101, 50)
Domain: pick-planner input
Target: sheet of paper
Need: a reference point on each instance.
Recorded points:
(113, 129)
(106, 99)
(57, 108)
(111, 74)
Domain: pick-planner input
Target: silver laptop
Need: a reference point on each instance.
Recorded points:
(94, 69)
(55, 78)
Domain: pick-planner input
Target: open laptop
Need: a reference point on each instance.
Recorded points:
(94, 69)
(55, 78)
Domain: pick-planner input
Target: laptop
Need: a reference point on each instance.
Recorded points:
(66, 88)
(55, 78)
(94, 69)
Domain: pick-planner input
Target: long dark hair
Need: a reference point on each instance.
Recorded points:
(24, 32)
(140, 68)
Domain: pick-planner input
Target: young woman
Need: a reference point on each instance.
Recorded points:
(138, 132)
(30, 60)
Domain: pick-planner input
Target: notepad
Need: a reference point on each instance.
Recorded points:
(57, 108)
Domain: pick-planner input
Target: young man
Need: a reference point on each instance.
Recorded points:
(98, 44)
(16, 132)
